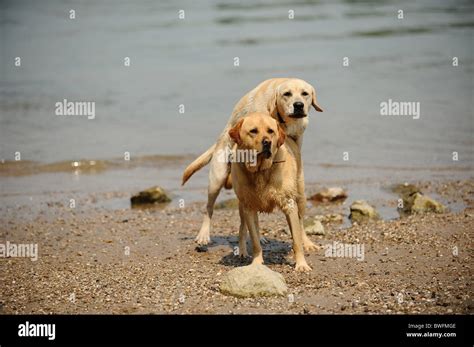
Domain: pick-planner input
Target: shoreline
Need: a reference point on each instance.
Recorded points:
(110, 183)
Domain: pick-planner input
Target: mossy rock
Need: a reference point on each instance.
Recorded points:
(313, 226)
(362, 212)
(153, 195)
(405, 189)
(419, 203)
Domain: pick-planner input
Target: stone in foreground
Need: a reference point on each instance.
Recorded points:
(152, 195)
(253, 281)
(362, 212)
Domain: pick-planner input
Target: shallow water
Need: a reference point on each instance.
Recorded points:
(190, 62)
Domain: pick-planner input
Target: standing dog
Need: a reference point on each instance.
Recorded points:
(268, 182)
(288, 101)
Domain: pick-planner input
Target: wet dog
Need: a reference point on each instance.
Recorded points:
(287, 100)
(270, 182)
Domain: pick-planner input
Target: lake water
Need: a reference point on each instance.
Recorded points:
(191, 62)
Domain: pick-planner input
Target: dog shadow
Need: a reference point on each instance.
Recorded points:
(218, 241)
(274, 252)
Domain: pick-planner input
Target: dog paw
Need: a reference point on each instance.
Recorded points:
(310, 246)
(264, 241)
(243, 255)
(202, 240)
(302, 267)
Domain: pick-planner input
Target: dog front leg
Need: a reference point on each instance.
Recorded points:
(242, 234)
(251, 220)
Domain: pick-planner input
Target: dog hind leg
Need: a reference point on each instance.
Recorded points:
(308, 245)
(218, 172)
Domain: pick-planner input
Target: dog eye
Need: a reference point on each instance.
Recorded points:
(287, 94)
(254, 131)
(270, 131)
(305, 94)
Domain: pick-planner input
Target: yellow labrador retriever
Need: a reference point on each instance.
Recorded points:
(265, 183)
(288, 101)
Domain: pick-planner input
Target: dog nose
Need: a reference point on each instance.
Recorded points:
(266, 143)
(298, 105)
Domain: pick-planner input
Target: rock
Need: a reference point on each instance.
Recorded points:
(419, 203)
(415, 202)
(405, 189)
(313, 226)
(230, 203)
(151, 196)
(252, 281)
(361, 211)
(330, 218)
(332, 194)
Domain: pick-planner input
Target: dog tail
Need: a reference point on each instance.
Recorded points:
(198, 164)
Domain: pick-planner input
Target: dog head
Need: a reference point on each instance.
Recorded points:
(292, 101)
(260, 134)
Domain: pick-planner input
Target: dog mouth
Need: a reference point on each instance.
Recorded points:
(267, 153)
(297, 115)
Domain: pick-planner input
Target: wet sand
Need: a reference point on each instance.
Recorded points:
(84, 265)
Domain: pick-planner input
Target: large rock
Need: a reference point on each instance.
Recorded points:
(415, 202)
(419, 203)
(332, 194)
(313, 226)
(252, 281)
(361, 212)
(151, 196)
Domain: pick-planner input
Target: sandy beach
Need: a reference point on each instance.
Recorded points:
(159, 88)
(146, 261)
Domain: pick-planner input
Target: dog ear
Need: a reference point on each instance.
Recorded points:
(281, 136)
(272, 106)
(234, 133)
(315, 103)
